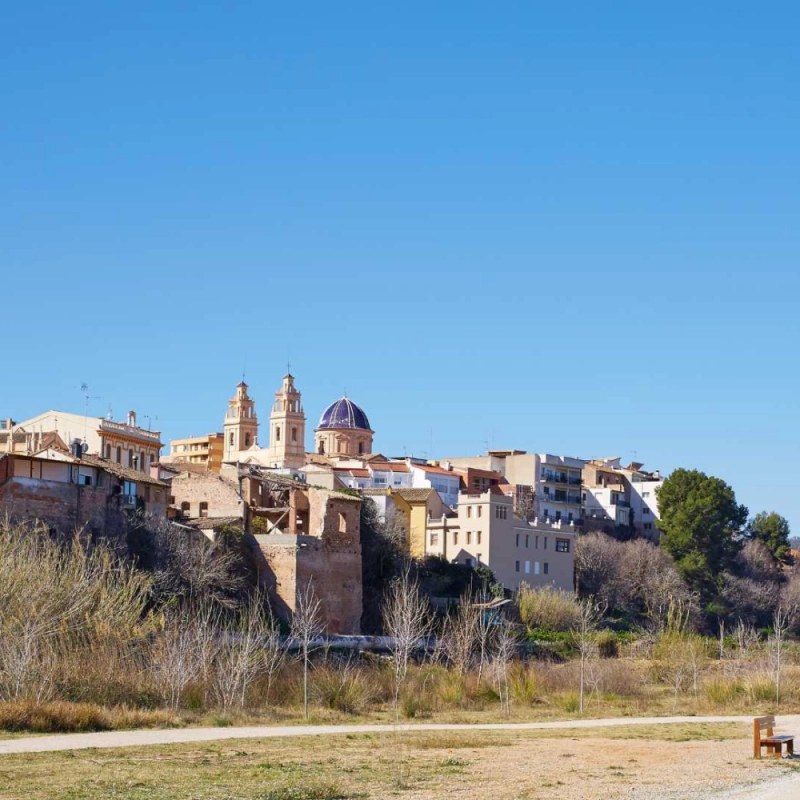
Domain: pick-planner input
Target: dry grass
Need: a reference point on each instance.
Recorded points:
(62, 717)
(433, 766)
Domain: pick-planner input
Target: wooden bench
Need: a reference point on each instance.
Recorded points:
(774, 744)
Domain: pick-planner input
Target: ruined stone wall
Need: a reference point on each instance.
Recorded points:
(220, 494)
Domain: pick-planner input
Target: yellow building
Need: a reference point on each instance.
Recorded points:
(205, 450)
(413, 508)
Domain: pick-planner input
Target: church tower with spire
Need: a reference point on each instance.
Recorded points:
(287, 427)
(241, 424)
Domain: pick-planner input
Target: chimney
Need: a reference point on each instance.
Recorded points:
(132, 419)
(76, 448)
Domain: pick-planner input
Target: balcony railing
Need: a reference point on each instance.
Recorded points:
(571, 499)
(562, 477)
(129, 430)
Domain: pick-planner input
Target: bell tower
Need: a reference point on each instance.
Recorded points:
(241, 424)
(287, 427)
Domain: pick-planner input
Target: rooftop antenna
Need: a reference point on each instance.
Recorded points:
(150, 420)
(110, 413)
(86, 399)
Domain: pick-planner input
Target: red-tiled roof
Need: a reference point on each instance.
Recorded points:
(389, 466)
(436, 470)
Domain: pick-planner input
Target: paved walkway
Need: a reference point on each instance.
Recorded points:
(137, 738)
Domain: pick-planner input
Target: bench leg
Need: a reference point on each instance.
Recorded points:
(790, 748)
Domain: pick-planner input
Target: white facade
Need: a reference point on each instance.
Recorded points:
(558, 487)
(442, 479)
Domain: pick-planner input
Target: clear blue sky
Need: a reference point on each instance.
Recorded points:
(566, 227)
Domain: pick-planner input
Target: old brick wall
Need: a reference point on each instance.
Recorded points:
(220, 493)
(62, 506)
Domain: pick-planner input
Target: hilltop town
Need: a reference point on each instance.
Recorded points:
(513, 512)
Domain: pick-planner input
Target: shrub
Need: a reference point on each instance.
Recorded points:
(607, 644)
(547, 608)
(63, 717)
(722, 691)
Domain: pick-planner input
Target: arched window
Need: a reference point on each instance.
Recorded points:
(230, 439)
(294, 434)
(203, 509)
(321, 448)
(342, 523)
(360, 448)
(247, 440)
(277, 433)
(184, 509)
(108, 452)
(119, 455)
(130, 458)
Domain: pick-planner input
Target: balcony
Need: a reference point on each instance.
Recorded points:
(561, 477)
(569, 499)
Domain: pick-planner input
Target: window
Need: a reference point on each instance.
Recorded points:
(516, 566)
(535, 567)
(562, 545)
(478, 535)
(645, 494)
(434, 539)
(130, 458)
(184, 509)
(129, 488)
(147, 497)
(455, 537)
(569, 517)
(545, 568)
(527, 567)
(294, 435)
(203, 509)
(247, 440)
(546, 514)
(342, 523)
(648, 526)
(469, 537)
(119, 455)
(537, 542)
(108, 452)
(527, 540)
(321, 448)
(277, 433)
(558, 516)
(545, 543)
(230, 439)
(645, 510)
(86, 480)
(469, 511)
(500, 512)
(360, 448)
(517, 540)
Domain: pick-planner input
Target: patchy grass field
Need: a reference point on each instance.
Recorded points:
(538, 764)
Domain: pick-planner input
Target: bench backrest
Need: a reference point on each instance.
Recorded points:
(768, 722)
(760, 724)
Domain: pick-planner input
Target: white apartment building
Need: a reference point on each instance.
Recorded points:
(555, 481)
(617, 495)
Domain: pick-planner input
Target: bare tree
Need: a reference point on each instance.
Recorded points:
(504, 646)
(777, 639)
(460, 633)
(246, 641)
(589, 614)
(407, 620)
(176, 655)
(307, 626)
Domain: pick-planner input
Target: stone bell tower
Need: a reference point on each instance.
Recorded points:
(287, 427)
(241, 425)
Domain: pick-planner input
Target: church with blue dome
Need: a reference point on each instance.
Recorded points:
(343, 429)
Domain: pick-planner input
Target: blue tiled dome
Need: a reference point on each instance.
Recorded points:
(344, 413)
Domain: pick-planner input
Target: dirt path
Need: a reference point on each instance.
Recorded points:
(83, 741)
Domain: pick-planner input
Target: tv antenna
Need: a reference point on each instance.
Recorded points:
(150, 420)
(86, 398)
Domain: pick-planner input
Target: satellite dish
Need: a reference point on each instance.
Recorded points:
(84, 448)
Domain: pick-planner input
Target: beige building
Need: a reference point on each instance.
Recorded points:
(287, 428)
(485, 531)
(204, 450)
(124, 443)
(240, 429)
